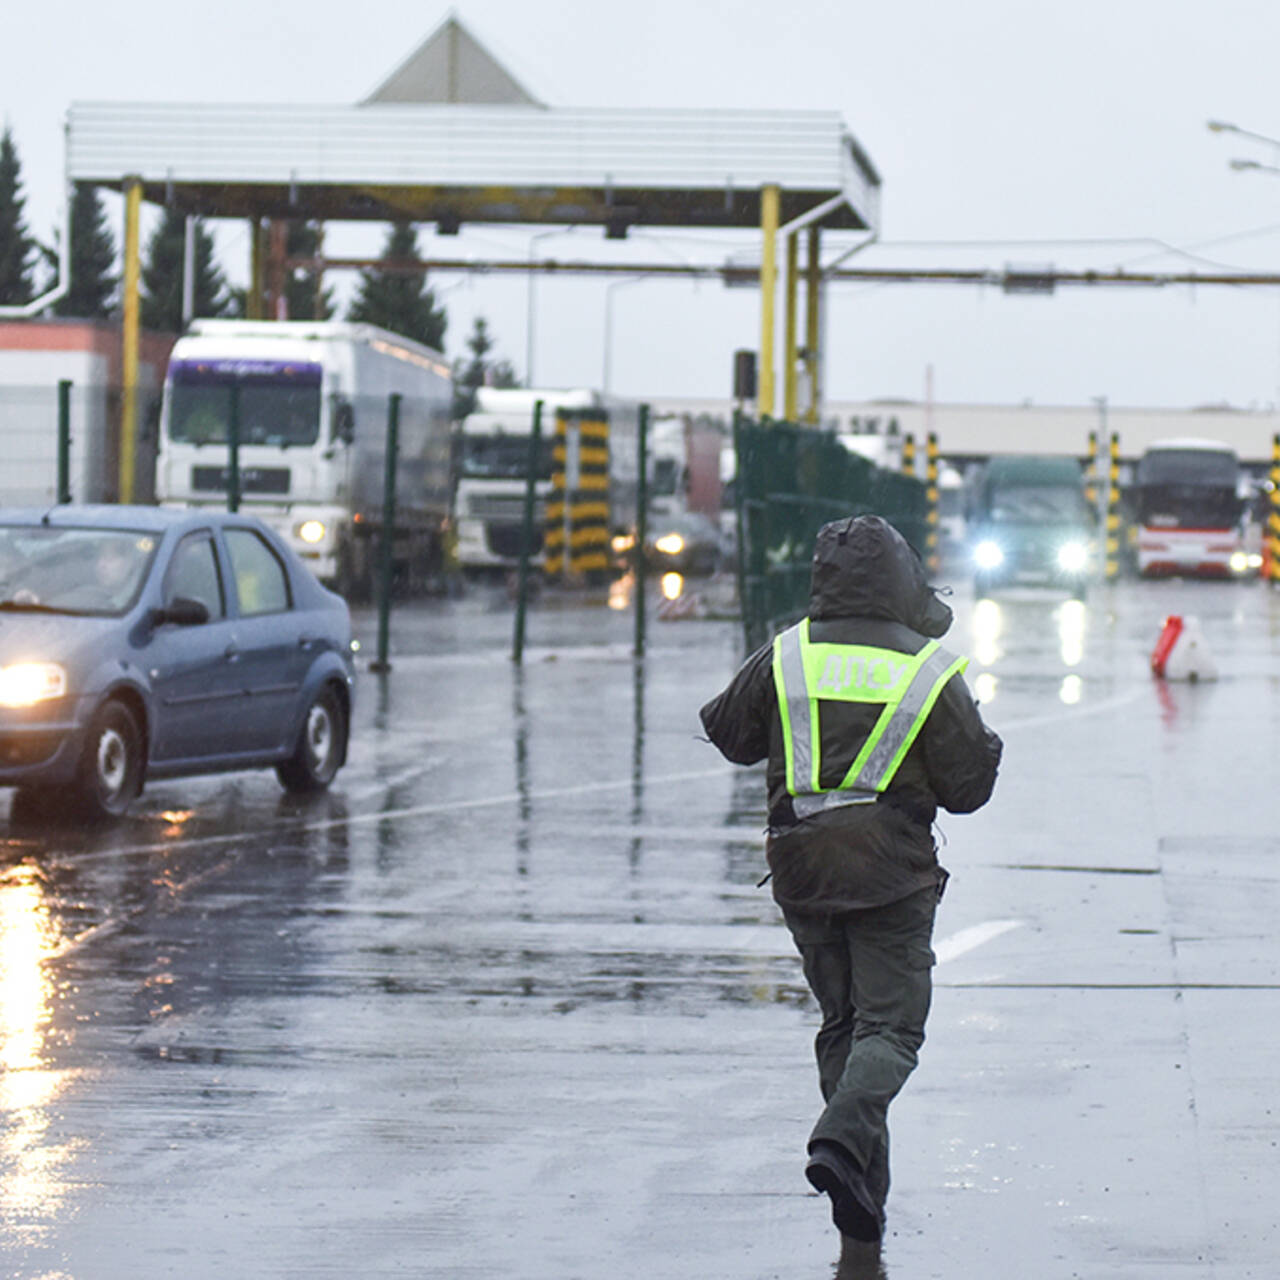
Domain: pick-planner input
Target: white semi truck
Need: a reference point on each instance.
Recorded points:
(313, 403)
(493, 462)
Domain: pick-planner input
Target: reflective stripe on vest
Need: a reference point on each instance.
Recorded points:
(905, 685)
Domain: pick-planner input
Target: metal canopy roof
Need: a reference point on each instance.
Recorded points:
(476, 163)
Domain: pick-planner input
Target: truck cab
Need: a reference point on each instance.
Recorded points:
(1029, 523)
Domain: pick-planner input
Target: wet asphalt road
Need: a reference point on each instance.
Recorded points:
(507, 1002)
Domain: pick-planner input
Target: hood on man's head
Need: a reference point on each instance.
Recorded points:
(864, 568)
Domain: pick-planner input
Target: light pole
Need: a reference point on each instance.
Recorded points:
(530, 300)
(607, 371)
(1222, 126)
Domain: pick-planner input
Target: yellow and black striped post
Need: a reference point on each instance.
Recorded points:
(1113, 510)
(577, 535)
(932, 558)
(1091, 473)
(1271, 532)
(908, 454)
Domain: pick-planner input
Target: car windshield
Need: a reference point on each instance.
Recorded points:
(59, 570)
(1038, 503)
(503, 457)
(279, 404)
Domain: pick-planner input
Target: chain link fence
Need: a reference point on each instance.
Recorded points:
(791, 480)
(33, 425)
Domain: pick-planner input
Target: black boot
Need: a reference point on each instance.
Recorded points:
(833, 1170)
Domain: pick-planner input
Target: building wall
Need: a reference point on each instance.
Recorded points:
(35, 355)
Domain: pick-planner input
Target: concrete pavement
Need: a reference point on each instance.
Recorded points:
(508, 1002)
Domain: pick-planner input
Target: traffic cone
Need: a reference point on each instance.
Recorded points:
(1181, 652)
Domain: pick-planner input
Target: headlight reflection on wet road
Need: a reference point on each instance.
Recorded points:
(31, 1186)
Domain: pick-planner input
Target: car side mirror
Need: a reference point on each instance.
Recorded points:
(182, 611)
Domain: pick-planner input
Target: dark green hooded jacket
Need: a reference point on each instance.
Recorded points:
(868, 588)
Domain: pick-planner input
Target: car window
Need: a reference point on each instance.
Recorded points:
(73, 569)
(193, 573)
(262, 584)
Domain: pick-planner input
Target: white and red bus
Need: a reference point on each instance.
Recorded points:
(1188, 510)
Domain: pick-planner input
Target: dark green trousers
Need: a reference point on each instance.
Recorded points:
(871, 973)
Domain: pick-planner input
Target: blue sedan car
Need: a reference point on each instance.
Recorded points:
(140, 642)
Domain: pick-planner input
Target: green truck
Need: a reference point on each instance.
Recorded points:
(1029, 523)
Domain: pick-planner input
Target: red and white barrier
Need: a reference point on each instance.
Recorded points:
(1181, 652)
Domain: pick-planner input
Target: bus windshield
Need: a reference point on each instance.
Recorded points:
(279, 402)
(1187, 489)
(1204, 467)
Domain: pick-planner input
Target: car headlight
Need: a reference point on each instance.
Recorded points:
(1073, 557)
(23, 684)
(988, 555)
(311, 531)
(670, 544)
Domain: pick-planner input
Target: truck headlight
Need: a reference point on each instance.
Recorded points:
(1073, 557)
(1239, 562)
(23, 684)
(311, 531)
(988, 555)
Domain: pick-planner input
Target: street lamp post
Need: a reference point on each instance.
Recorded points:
(606, 374)
(530, 301)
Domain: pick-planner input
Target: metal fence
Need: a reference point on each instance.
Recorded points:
(71, 437)
(790, 481)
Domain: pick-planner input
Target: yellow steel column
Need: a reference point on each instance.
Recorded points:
(812, 341)
(129, 336)
(770, 209)
(790, 346)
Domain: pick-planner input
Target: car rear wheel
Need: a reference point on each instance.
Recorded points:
(111, 767)
(321, 747)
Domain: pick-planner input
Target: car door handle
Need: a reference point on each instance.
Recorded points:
(231, 653)
(305, 642)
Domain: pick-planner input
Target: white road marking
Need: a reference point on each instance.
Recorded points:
(970, 939)
(1075, 713)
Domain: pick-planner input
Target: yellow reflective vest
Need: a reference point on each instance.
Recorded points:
(904, 685)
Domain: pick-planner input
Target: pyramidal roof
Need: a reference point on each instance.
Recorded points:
(451, 65)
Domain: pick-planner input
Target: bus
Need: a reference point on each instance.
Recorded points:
(1188, 512)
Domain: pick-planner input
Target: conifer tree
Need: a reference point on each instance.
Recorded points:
(16, 246)
(398, 300)
(162, 275)
(305, 301)
(93, 255)
(479, 370)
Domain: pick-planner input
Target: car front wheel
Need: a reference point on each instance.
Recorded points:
(111, 766)
(321, 747)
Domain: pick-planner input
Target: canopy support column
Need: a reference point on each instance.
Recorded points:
(130, 335)
(770, 206)
(790, 402)
(812, 329)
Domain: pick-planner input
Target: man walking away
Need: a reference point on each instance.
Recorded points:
(868, 727)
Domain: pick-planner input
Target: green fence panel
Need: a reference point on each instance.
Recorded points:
(791, 481)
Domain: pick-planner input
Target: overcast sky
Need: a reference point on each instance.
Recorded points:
(997, 121)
